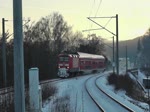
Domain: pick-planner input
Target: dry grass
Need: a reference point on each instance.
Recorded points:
(124, 82)
(47, 91)
(7, 104)
(62, 104)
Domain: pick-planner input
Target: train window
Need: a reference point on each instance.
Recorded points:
(89, 62)
(66, 58)
(87, 67)
(82, 62)
(86, 62)
(63, 59)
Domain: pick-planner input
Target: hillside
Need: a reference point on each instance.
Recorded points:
(131, 45)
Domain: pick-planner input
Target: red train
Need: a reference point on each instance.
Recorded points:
(79, 63)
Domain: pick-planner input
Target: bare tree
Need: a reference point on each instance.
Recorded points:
(93, 44)
(43, 41)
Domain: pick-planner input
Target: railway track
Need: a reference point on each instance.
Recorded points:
(126, 107)
(11, 89)
(100, 97)
(94, 100)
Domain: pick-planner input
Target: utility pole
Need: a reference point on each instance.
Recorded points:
(117, 37)
(4, 53)
(117, 46)
(19, 97)
(126, 59)
(113, 55)
(147, 74)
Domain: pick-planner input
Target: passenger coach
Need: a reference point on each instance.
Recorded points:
(79, 63)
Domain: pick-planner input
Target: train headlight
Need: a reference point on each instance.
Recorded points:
(67, 67)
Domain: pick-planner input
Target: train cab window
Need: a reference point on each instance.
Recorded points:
(63, 59)
(66, 58)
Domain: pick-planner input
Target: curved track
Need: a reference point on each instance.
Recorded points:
(11, 89)
(8, 93)
(92, 97)
(105, 102)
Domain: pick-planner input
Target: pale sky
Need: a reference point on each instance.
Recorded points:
(134, 15)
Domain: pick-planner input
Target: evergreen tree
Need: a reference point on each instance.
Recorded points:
(139, 47)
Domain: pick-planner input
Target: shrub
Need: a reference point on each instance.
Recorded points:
(47, 91)
(123, 82)
(112, 78)
(62, 104)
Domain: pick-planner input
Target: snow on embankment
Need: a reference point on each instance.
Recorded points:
(120, 95)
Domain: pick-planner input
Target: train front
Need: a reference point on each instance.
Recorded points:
(68, 64)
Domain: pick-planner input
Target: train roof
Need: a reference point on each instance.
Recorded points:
(83, 55)
(87, 55)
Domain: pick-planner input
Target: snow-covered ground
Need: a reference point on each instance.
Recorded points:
(120, 95)
(74, 93)
(78, 97)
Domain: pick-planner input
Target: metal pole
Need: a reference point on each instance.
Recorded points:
(117, 48)
(148, 89)
(19, 97)
(4, 53)
(126, 59)
(113, 56)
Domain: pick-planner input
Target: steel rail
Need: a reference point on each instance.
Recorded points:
(121, 104)
(8, 90)
(100, 108)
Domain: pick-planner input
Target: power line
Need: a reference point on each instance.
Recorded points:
(23, 25)
(108, 22)
(98, 28)
(103, 17)
(117, 40)
(98, 7)
(92, 29)
(91, 25)
(92, 8)
(101, 26)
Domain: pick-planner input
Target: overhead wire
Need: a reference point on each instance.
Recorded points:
(108, 21)
(90, 24)
(98, 7)
(91, 10)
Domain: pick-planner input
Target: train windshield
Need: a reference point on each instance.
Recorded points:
(63, 59)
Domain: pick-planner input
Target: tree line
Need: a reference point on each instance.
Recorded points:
(43, 41)
(143, 50)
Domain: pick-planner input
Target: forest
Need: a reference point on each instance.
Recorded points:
(43, 41)
(143, 47)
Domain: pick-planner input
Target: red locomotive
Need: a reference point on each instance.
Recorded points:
(79, 63)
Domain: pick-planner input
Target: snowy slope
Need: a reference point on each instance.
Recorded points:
(119, 95)
(79, 100)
